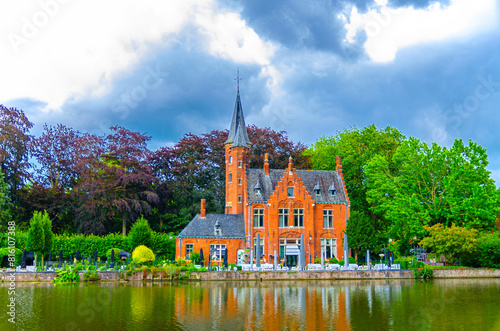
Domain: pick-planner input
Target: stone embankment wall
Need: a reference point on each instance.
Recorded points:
(271, 275)
(466, 273)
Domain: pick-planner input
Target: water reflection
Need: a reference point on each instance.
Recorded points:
(300, 305)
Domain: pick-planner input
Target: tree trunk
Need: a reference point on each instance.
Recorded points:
(124, 228)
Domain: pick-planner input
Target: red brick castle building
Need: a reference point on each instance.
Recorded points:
(279, 205)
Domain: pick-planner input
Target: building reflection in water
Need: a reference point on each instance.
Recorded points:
(270, 306)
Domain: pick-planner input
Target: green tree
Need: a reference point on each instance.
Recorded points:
(40, 236)
(432, 185)
(488, 247)
(14, 149)
(140, 234)
(5, 205)
(452, 242)
(366, 228)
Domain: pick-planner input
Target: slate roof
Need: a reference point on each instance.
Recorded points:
(310, 178)
(238, 135)
(231, 226)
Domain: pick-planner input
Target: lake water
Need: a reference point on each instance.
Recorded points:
(451, 304)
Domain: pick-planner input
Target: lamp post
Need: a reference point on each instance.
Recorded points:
(381, 258)
(309, 244)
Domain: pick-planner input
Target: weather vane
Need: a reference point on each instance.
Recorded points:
(237, 79)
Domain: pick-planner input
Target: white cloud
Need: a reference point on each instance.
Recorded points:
(229, 37)
(391, 29)
(59, 50)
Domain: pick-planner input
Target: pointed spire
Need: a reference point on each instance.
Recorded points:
(238, 135)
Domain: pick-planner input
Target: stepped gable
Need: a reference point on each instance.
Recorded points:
(310, 178)
(231, 226)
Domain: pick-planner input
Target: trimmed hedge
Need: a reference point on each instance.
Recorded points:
(162, 244)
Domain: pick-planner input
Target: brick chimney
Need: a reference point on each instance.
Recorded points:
(266, 164)
(202, 210)
(339, 164)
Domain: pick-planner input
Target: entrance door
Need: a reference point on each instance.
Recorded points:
(292, 252)
(291, 260)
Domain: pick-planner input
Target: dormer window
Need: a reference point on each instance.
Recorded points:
(332, 190)
(257, 188)
(217, 228)
(317, 189)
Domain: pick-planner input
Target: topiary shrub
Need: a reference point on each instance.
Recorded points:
(140, 234)
(143, 255)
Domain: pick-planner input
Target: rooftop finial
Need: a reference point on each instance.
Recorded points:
(237, 79)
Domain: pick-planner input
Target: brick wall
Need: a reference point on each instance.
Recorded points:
(232, 246)
(312, 230)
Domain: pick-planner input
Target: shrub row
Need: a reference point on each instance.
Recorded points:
(161, 244)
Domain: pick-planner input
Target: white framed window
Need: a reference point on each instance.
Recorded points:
(189, 250)
(239, 164)
(329, 246)
(298, 217)
(217, 251)
(258, 218)
(239, 181)
(291, 192)
(283, 217)
(230, 159)
(239, 198)
(230, 177)
(328, 218)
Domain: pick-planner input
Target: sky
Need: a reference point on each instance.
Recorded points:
(311, 68)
